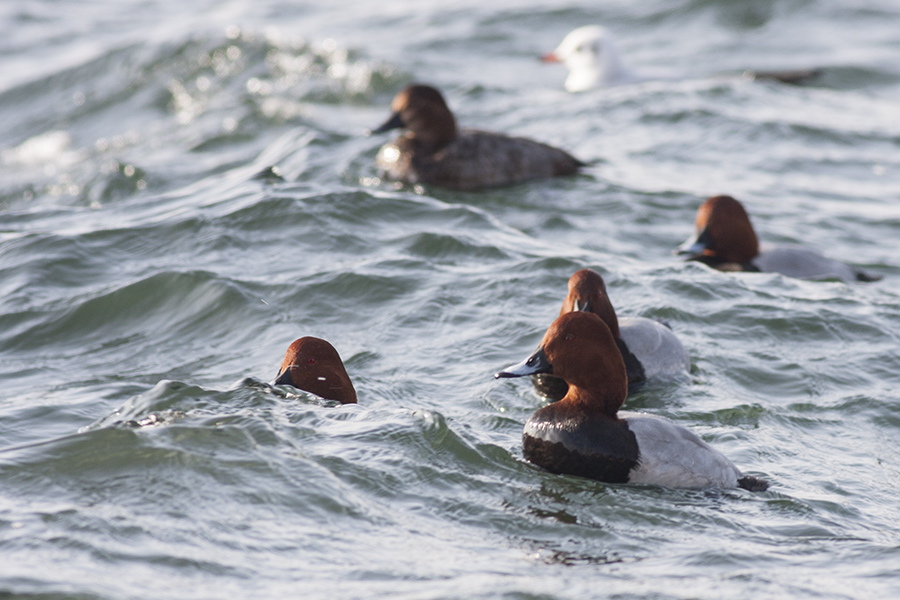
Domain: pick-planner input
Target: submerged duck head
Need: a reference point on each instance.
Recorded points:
(313, 365)
(580, 349)
(723, 233)
(422, 111)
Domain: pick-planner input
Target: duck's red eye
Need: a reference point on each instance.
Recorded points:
(569, 337)
(311, 360)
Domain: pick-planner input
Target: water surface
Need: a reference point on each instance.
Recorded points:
(154, 268)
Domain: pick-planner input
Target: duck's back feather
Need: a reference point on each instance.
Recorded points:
(802, 263)
(654, 345)
(675, 456)
(475, 159)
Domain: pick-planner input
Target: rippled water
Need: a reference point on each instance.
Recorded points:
(153, 269)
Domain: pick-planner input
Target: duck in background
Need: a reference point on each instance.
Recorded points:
(593, 61)
(725, 240)
(648, 347)
(313, 365)
(434, 151)
(584, 434)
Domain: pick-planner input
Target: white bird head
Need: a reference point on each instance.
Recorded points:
(592, 59)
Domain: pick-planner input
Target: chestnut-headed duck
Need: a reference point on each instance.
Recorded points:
(725, 240)
(593, 61)
(313, 365)
(584, 434)
(433, 151)
(648, 347)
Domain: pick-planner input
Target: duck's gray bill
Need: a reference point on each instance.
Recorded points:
(534, 364)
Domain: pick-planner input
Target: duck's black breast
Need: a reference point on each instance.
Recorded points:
(596, 447)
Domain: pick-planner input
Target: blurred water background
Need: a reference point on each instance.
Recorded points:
(154, 268)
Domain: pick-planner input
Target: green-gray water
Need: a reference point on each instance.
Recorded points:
(153, 271)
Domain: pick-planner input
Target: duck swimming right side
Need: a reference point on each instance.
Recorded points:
(584, 434)
(648, 347)
(724, 239)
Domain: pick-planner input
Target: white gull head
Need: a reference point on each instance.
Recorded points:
(592, 59)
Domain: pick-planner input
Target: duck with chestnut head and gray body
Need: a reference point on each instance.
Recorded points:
(649, 348)
(585, 434)
(724, 239)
